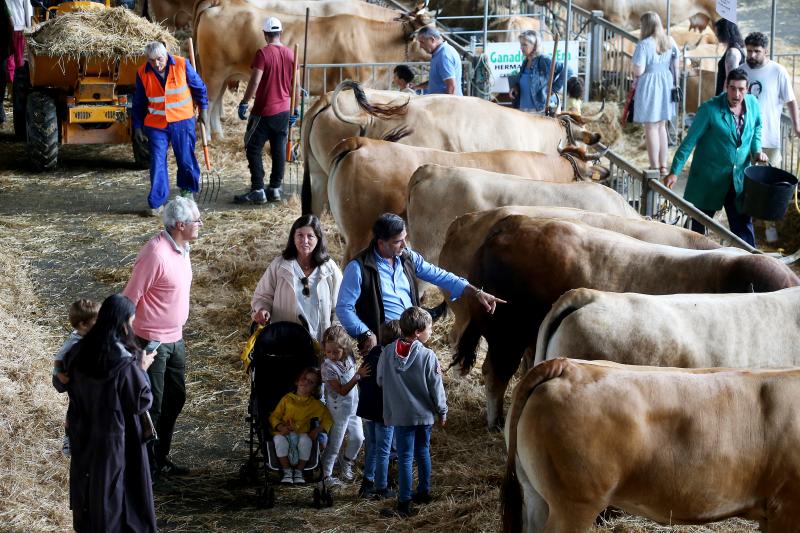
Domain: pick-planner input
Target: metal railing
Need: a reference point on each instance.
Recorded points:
(644, 191)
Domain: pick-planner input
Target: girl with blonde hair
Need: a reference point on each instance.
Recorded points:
(654, 61)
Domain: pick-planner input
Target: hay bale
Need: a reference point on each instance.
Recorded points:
(33, 474)
(107, 34)
(607, 124)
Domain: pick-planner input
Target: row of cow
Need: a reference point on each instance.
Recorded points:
(345, 32)
(534, 229)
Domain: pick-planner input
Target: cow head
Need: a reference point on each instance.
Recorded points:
(583, 163)
(699, 22)
(576, 132)
(419, 17)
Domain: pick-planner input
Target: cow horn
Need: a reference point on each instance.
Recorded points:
(560, 147)
(335, 105)
(597, 115)
(598, 155)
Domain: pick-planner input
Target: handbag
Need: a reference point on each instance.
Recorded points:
(627, 111)
(676, 95)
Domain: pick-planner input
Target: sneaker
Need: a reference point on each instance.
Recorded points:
(274, 194)
(346, 469)
(367, 488)
(402, 510)
(298, 477)
(422, 497)
(65, 447)
(383, 494)
(253, 197)
(186, 193)
(152, 211)
(288, 478)
(169, 468)
(331, 482)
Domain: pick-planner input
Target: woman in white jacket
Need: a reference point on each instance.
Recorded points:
(302, 284)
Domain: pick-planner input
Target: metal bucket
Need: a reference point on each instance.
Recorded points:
(767, 192)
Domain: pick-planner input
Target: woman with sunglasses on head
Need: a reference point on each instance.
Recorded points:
(302, 284)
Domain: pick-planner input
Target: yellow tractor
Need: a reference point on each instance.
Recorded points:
(68, 100)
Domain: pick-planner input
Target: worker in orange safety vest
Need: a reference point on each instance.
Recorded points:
(167, 89)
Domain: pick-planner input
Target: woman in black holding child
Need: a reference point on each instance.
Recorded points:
(109, 477)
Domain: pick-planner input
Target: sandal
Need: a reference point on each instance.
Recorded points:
(664, 171)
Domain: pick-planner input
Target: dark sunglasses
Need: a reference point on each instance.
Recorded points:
(306, 289)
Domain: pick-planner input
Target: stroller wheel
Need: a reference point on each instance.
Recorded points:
(265, 498)
(317, 500)
(248, 474)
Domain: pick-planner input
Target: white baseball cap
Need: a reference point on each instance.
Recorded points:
(272, 24)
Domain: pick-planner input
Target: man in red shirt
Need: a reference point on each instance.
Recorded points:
(271, 83)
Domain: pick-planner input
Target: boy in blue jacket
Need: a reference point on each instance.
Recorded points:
(413, 396)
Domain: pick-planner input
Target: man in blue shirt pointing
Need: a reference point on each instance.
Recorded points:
(381, 282)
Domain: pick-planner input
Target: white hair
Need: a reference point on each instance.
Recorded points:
(531, 37)
(179, 209)
(430, 32)
(155, 49)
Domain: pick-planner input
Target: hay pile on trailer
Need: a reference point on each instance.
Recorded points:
(106, 33)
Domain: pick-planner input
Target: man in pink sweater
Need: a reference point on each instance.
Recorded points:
(159, 287)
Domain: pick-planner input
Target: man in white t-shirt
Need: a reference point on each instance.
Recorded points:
(770, 83)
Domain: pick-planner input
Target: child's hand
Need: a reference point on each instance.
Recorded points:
(364, 370)
(63, 378)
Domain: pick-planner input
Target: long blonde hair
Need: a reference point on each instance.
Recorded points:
(651, 27)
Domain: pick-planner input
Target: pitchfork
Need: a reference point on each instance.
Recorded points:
(210, 180)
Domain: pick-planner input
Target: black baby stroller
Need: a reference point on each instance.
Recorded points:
(281, 351)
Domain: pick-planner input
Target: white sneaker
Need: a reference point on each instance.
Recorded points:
(65, 447)
(346, 469)
(287, 477)
(298, 477)
(331, 482)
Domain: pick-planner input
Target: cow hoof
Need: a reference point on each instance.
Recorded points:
(497, 426)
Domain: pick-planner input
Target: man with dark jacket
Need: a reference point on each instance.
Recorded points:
(381, 282)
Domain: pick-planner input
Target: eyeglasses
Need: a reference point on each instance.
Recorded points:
(306, 289)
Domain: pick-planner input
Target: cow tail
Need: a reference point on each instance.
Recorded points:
(344, 147)
(568, 303)
(510, 490)
(382, 111)
(305, 189)
(467, 345)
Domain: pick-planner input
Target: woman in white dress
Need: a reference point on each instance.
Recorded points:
(654, 59)
(302, 284)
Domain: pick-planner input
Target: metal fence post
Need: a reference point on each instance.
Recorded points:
(596, 54)
(647, 205)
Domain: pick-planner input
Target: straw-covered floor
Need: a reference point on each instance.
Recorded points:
(75, 232)
(106, 34)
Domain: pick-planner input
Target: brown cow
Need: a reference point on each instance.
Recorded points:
(626, 13)
(455, 124)
(339, 38)
(675, 446)
(532, 262)
(370, 177)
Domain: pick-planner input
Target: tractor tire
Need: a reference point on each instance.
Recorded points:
(19, 98)
(42, 127)
(141, 153)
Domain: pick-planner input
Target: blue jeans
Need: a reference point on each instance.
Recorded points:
(182, 136)
(377, 447)
(413, 442)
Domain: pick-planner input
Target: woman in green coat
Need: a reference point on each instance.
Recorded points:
(727, 133)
